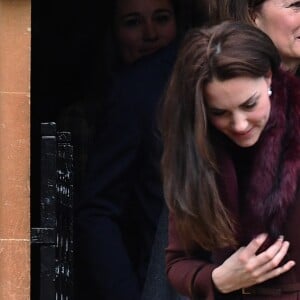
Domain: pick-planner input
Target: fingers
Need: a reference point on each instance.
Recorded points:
(274, 254)
(272, 257)
(251, 249)
(264, 266)
(277, 271)
(269, 260)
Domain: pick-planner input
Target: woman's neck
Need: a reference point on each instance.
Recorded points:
(289, 65)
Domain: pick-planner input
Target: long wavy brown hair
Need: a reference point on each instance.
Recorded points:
(189, 164)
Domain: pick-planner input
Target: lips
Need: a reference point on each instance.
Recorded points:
(146, 51)
(242, 134)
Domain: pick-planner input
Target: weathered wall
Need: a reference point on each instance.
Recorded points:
(14, 149)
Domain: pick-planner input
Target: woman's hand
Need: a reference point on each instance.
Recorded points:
(245, 268)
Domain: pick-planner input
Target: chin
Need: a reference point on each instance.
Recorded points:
(245, 143)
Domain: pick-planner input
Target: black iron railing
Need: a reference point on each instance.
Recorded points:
(55, 233)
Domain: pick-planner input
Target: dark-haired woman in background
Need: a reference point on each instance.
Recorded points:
(122, 199)
(280, 19)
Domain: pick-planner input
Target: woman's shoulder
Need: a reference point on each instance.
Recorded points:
(151, 67)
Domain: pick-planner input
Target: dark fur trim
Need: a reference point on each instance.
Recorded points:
(274, 180)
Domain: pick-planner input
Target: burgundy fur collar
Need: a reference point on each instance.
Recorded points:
(275, 178)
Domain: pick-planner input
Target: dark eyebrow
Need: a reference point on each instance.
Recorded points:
(164, 10)
(132, 14)
(136, 14)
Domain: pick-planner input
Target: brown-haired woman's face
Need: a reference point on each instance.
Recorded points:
(143, 27)
(239, 107)
(280, 19)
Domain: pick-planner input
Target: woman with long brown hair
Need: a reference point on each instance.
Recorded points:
(231, 167)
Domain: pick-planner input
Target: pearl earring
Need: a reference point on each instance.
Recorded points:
(269, 92)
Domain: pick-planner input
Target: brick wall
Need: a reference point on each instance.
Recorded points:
(14, 149)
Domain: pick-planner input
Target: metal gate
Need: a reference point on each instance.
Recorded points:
(55, 233)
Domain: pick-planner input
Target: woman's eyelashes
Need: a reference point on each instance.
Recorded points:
(216, 112)
(247, 106)
(163, 17)
(250, 104)
(135, 20)
(132, 21)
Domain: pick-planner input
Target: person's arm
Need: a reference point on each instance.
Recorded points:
(195, 276)
(190, 275)
(111, 171)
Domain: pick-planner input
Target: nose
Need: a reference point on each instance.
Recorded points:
(150, 31)
(239, 123)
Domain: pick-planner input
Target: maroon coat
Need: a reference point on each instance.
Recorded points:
(268, 185)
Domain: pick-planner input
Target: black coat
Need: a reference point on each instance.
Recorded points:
(122, 201)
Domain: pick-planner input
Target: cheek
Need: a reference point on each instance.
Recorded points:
(261, 115)
(168, 32)
(268, 22)
(279, 29)
(218, 123)
(280, 33)
(263, 118)
(128, 38)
